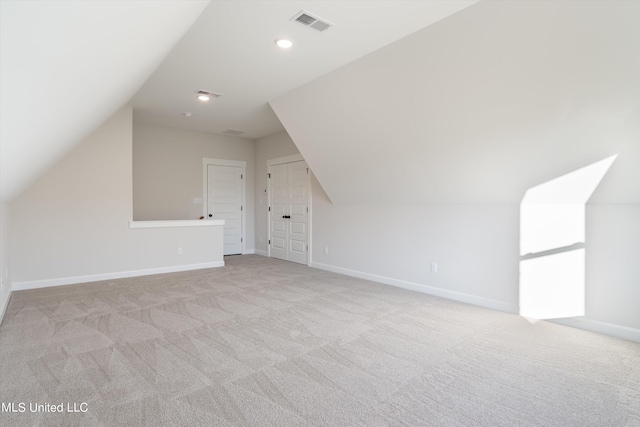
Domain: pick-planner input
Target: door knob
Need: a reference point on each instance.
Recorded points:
(210, 215)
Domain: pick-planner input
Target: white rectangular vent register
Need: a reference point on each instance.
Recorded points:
(308, 20)
(209, 94)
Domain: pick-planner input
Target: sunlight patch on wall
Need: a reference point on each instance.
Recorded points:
(544, 227)
(553, 286)
(552, 237)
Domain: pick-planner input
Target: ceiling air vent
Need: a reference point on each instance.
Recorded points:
(308, 20)
(233, 132)
(210, 94)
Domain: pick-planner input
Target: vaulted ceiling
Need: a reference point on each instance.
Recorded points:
(66, 66)
(399, 102)
(231, 50)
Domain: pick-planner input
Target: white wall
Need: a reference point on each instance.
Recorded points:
(74, 221)
(475, 247)
(612, 264)
(269, 147)
(477, 251)
(167, 172)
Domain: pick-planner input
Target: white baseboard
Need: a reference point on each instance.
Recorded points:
(611, 329)
(21, 286)
(439, 292)
(6, 304)
(248, 252)
(261, 252)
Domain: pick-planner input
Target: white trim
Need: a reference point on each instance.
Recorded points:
(309, 219)
(611, 329)
(425, 289)
(286, 159)
(249, 252)
(179, 223)
(242, 164)
(261, 252)
(6, 304)
(21, 286)
(206, 161)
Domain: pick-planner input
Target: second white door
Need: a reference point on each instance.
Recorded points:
(225, 202)
(289, 214)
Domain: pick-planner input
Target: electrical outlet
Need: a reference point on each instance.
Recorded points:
(179, 251)
(326, 250)
(197, 201)
(434, 267)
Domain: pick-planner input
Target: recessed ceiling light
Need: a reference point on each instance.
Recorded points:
(203, 97)
(284, 43)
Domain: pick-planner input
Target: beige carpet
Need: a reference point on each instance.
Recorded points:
(269, 343)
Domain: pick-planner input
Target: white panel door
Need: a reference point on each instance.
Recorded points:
(289, 214)
(298, 212)
(225, 202)
(279, 207)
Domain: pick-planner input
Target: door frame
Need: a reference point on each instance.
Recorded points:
(279, 161)
(206, 162)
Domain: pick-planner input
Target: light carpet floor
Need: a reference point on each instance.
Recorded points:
(264, 342)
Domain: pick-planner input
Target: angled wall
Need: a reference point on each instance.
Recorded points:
(479, 107)
(81, 60)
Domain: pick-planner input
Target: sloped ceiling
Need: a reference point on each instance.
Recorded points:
(230, 49)
(66, 67)
(479, 107)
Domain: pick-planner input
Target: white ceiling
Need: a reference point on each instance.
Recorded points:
(230, 49)
(67, 66)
